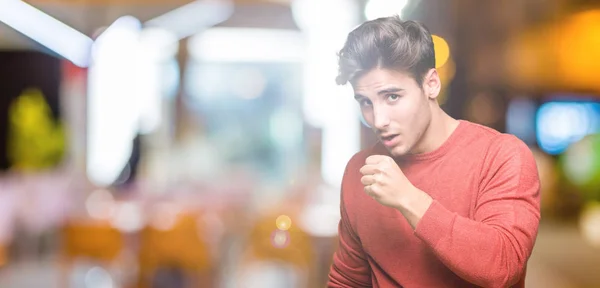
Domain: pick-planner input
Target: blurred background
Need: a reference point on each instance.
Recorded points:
(154, 143)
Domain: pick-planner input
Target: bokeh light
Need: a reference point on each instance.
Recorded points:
(575, 41)
(581, 165)
(283, 222)
(559, 124)
(100, 204)
(280, 239)
(128, 217)
(442, 51)
(589, 223)
(444, 64)
(98, 277)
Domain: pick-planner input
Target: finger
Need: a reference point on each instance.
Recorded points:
(374, 159)
(379, 159)
(369, 190)
(368, 180)
(375, 169)
(370, 169)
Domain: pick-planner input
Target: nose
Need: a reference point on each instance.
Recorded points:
(381, 119)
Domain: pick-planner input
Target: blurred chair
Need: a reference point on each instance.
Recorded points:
(176, 256)
(286, 257)
(97, 241)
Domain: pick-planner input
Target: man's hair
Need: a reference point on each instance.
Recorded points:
(387, 43)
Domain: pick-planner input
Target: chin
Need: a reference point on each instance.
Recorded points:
(398, 150)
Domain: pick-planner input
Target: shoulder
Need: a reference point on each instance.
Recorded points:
(508, 156)
(508, 146)
(472, 140)
(473, 132)
(492, 142)
(498, 152)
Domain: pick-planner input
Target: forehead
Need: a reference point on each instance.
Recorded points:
(379, 79)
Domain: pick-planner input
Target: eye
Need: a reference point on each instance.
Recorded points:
(365, 102)
(393, 97)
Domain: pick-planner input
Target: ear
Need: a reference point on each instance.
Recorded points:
(432, 84)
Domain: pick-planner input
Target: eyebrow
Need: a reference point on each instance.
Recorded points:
(381, 92)
(389, 90)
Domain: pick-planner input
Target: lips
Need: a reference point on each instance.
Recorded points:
(388, 137)
(390, 140)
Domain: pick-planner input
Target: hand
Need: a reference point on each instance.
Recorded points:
(384, 181)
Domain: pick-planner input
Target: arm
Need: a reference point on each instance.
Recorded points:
(350, 268)
(492, 249)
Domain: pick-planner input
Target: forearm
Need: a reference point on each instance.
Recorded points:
(486, 254)
(413, 205)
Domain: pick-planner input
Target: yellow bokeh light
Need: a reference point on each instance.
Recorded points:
(283, 222)
(557, 56)
(446, 74)
(442, 51)
(589, 223)
(576, 47)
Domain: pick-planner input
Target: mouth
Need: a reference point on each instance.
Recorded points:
(389, 140)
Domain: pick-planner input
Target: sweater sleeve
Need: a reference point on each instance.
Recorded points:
(492, 249)
(350, 268)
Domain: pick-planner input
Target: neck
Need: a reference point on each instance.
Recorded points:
(438, 131)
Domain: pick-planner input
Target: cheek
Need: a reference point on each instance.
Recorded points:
(409, 111)
(401, 114)
(406, 117)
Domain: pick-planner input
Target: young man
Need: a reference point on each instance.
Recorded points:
(438, 202)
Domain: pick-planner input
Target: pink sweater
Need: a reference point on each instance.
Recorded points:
(479, 231)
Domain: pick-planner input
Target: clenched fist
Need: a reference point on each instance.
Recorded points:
(384, 181)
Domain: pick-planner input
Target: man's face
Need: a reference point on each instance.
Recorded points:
(395, 107)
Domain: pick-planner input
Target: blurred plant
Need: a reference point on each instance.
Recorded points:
(36, 141)
(581, 166)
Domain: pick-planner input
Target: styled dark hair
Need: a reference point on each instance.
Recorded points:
(388, 43)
